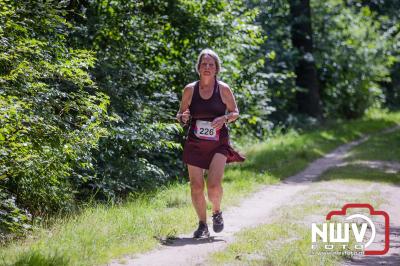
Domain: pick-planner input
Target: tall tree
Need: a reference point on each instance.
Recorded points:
(308, 98)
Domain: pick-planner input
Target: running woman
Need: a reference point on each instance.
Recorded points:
(208, 105)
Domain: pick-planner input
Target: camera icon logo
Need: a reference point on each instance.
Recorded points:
(337, 234)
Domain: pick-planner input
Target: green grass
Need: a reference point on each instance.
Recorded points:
(284, 155)
(286, 240)
(100, 233)
(263, 246)
(36, 258)
(385, 147)
(357, 172)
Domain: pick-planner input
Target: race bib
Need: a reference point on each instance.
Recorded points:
(204, 130)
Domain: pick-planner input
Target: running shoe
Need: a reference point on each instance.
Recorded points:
(218, 222)
(202, 231)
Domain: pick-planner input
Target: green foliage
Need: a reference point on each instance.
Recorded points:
(356, 44)
(146, 53)
(51, 114)
(352, 58)
(280, 59)
(13, 220)
(89, 89)
(389, 17)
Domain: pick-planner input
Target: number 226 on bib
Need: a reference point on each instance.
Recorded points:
(204, 130)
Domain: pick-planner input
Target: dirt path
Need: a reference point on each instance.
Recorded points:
(392, 195)
(253, 211)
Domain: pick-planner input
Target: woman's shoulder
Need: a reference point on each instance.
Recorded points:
(223, 84)
(188, 91)
(225, 89)
(190, 86)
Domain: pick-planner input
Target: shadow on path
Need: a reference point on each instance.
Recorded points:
(183, 241)
(393, 259)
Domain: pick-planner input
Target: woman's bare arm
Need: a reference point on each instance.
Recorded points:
(229, 99)
(183, 114)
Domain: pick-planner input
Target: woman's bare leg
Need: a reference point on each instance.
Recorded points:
(196, 176)
(214, 181)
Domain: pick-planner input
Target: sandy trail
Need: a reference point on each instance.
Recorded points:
(392, 207)
(251, 212)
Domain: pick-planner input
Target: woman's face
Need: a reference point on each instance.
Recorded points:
(207, 66)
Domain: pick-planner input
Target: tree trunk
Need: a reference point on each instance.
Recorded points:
(308, 99)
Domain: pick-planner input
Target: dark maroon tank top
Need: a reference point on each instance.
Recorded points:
(200, 152)
(206, 109)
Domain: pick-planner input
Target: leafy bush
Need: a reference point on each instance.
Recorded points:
(146, 53)
(351, 56)
(13, 220)
(89, 89)
(279, 60)
(51, 113)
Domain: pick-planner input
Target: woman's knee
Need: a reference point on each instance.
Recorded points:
(214, 187)
(196, 179)
(196, 187)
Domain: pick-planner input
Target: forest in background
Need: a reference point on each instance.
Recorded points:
(89, 88)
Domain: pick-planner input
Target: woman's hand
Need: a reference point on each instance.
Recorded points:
(218, 122)
(183, 117)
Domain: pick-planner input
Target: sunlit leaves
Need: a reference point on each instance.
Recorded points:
(352, 57)
(51, 116)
